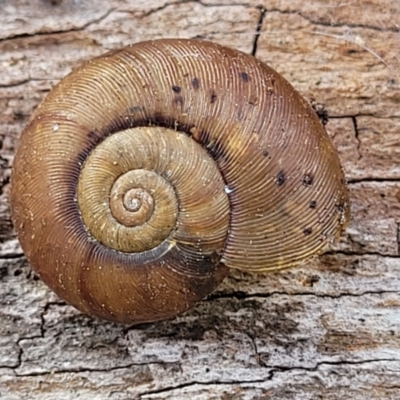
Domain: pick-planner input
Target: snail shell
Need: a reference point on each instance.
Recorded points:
(150, 171)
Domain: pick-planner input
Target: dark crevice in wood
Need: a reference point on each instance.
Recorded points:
(13, 256)
(175, 3)
(356, 134)
(245, 296)
(15, 84)
(258, 30)
(372, 180)
(360, 115)
(270, 376)
(334, 24)
(350, 253)
(278, 368)
(5, 181)
(83, 370)
(200, 383)
(56, 32)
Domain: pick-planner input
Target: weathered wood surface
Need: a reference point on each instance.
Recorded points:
(330, 330)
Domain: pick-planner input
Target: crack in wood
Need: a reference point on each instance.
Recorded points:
(272, 374)
(258, 29)
(200, 383)
(90, 370)
(356, 135)
(218, 296)
(57, 32)
(312, 21)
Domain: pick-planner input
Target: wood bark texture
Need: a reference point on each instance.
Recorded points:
(329, 330)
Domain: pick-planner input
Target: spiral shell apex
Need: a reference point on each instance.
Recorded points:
(150, 171)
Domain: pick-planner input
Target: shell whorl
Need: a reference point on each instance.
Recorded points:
(149, 170)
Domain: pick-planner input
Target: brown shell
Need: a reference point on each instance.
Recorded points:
(277, 195)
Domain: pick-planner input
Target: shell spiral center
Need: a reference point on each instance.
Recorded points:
(140, 187)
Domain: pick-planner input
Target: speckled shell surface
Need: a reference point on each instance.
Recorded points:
(235, 164)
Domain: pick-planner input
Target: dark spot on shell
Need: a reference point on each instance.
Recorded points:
(244, 76)
(252, 100)
(178, 100)
(213, 97)
(307, 231)
(176, 89)
(308, 179)
(313, 204)
(195, 83)
(265, 153)
(280, 178)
